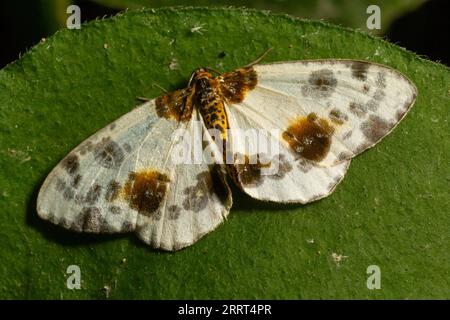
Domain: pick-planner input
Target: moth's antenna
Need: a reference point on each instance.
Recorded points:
(191, 78)
(259, 58)
(213, 70)
(158, 86)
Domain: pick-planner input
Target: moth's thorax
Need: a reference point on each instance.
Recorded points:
(205, 86)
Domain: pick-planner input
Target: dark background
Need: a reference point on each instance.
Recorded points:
(423, 29)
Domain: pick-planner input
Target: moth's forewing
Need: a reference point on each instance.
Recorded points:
(123, 179)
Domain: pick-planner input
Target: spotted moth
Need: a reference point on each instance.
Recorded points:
(307, 119)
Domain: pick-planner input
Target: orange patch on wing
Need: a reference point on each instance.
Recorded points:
(235, 84)
(310, 137)
(176, 105)
(145, 190)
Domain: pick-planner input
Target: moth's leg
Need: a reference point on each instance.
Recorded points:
(162, 89)
(213, 70)
(144, 99)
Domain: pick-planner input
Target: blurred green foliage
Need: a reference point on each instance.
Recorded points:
(349, 13)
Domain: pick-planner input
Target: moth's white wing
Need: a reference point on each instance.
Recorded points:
(123, 179)
(357, 102)
(82, 193)
(197, 201)
(272, 172)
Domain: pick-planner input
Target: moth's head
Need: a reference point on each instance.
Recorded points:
(199, 74)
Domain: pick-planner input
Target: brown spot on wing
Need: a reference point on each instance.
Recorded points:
(321, 84)
(156, 215)
(379, 94)
(145, 190)
(347, 135)
(71, 163)
(87, 146)
(76, 181)
(174, 212)
(93, 194)
(68, 193)
(60, 185)
(108, 153)
(112, 190)
(92, 219)
(235, 85)
(309, 137)
(337, 116)
(357, 109)
(372, 105)
(381, 80)
(284, 167)
(196, 199)
(247, 169)
(375, 128)
(304, 165)
(89, 220)
(359, 70)
(176, 105)
(197, 196)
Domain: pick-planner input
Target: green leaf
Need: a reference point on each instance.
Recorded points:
(392, 209)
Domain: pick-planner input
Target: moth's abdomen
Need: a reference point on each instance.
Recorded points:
(210, 103)
(215, 117)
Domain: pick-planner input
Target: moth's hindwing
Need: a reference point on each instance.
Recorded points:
(281, 176)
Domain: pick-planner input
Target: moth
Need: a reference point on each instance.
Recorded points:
(323, 113)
